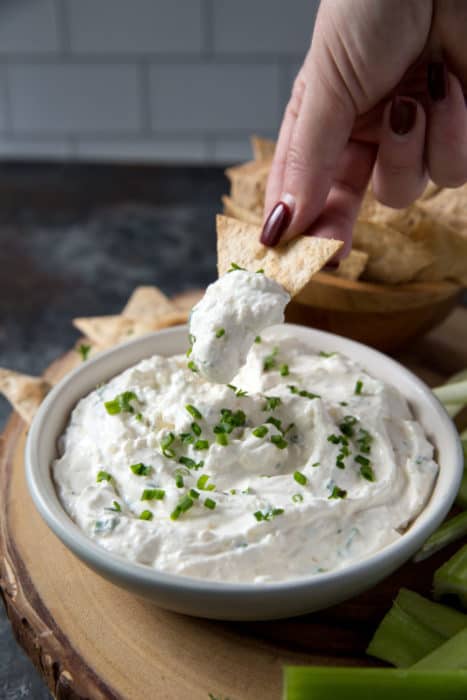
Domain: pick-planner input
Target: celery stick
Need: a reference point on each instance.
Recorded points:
(450, 656)
(456, 392)
(401, 640)
(451, 577)
(450, 531)
(452, 409)
(438, 618)
(461, 498)
(413, 628)
(331, 683)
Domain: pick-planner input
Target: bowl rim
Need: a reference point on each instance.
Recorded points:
(118, 567)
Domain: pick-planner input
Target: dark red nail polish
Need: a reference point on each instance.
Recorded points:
(402, 115)
(437, 81)
(276, 224)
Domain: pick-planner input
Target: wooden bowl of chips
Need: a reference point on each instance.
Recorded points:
(405, 271)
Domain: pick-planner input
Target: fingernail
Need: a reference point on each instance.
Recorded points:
(402, 116)
(276, 224)
(437, 88)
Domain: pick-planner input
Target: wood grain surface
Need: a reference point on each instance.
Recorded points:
(92, 640)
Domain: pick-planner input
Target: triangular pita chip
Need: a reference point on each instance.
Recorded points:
(25, 393)
(393, 257)
(186, 300)
(450, 207)
(234, 210)
(263, 149)
(351, 267)
(107, 331)
(248, 184)
(147, 303)
(292, 265)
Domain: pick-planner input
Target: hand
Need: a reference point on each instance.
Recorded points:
(380, 92)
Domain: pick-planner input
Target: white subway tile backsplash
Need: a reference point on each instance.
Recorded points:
(209, 98)
(28, 26)
(139, 151)
(263, 26)
(135, 26)
(62, 98)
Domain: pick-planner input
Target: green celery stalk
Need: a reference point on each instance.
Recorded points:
(412, 628)
(461, 498)
(450, 656)
(331, 683)
(451, 530)
(454, 392)
(451, 577)
(452, 409)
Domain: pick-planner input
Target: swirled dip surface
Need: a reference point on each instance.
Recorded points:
(224, 324)
(306, 463)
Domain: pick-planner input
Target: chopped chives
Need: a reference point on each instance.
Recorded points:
(267, 515)
(347, 425)
(203, 485)
(210, 503)
(84, 351)
(300, 478)
(193, 411)
(270, 361)
(234, 266)
(140, 469)
(297, 498)
(187, 438)
(139, 417)
(260, 431)
(116, 507)
(279, 441)
(258, 339)
(103, 476)
(166, 443)
(302, 392)
(190, 463)
(326, 354)
(196, 428)
(193, 493)
(337, 493)
(272, 402)
(220, 332)
(315, 464)
(284, 370)
(182, 506)
(222, 439)
(179, 483)
(153, 495)
(146, 515)
(366, 471)
(201, 445)
(358, 387)
(274, 421)
(192, 366)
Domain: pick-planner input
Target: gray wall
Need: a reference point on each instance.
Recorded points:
(146, 80)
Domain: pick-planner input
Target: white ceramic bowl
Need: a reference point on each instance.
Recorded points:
(233, 601)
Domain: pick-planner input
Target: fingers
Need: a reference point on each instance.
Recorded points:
(446, 149)
(345, 197)
(313, 138)
(399, 176)
(276, 176)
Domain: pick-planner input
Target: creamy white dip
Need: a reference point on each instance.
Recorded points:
(224, 324)
(323, 465)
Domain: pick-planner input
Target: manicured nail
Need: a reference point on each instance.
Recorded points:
(402, 115)
(437, 87)
(276, 224)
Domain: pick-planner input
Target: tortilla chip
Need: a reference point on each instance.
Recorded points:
(237, 212)
(351, 267)
(25, 393)
(263, 149)
(147, 303)
(248, 184)
(393, 257)
(186, 300)
(107, 331)
(292, 264)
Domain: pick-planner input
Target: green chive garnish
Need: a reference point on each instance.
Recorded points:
(182, 506)
(272, 402)
(326, 354)
(202, 483)
(337, 493)
(300, 478)
(153, 495)
(84, 351)
(222, 439)
(274, 421)
(201, 445)
(234, 266)
(190, 463)
(146, 515)
(347, 425)
(358, 387)
(270, 361)
(103, 476)
(187, 438)
(166, 443)
(260, 431)
(193, 493)
(196, 428)
(121, 403)
(258, 339)
(366, 471)
(192, 365)
(284, 370)
(279, 441)
(140, 469)
(297, 498)
(179, 483)
(220, 332)
(193, 411)
(302, 392)
(209, 503)
(268, 515)
(116, 507)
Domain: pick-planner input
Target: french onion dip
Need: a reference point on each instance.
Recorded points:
(303, 463)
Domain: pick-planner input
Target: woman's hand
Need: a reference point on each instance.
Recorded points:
(380, 92)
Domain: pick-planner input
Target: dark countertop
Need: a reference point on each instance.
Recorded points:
(75, 241)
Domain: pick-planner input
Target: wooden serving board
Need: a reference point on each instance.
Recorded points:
(92, 640)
